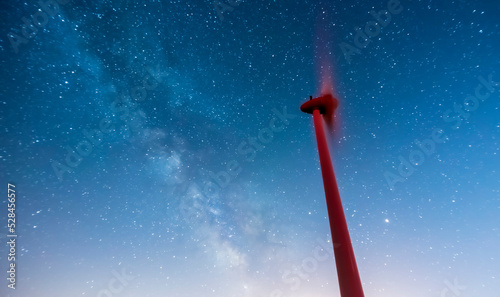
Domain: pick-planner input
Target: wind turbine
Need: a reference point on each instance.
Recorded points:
(321, 108)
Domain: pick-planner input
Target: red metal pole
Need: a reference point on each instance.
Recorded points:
(347, 270)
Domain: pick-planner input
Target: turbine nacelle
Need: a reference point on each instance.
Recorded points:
(326, 104)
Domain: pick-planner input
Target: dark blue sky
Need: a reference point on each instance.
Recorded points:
(158, 148)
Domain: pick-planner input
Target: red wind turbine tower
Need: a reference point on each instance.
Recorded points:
(347, 270)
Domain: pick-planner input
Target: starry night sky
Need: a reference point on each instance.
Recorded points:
(158, 149)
